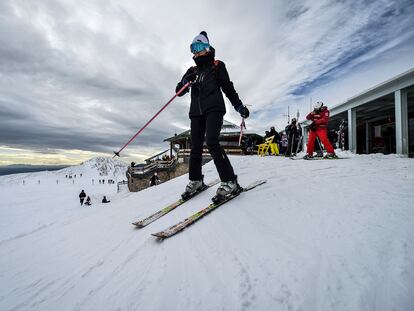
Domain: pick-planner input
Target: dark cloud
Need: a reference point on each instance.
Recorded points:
(296, 11)
(88, 75)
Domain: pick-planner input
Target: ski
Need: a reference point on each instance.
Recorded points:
(150, 219)
(316, 158)
(198, 215)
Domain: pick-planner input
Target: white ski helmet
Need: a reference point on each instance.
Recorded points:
(317, 105)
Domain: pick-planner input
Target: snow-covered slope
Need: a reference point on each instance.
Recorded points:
(95, 168)
(320, 235)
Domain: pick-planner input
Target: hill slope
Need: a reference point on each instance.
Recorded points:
(320, 235)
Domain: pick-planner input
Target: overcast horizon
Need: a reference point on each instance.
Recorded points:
(79, 80)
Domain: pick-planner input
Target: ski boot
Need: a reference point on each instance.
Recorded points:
(331, 156)
(192, 188)
(227, 189)
(308, 157)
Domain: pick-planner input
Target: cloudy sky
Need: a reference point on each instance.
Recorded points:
(79, 78)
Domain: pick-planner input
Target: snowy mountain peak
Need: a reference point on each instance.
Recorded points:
(106, 166)
(100, 166)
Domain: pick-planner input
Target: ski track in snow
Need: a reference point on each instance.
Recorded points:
(279, 247)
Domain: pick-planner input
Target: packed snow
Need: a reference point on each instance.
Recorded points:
(319, 235)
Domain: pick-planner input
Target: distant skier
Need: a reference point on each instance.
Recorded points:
(209, 78)
(320, 118)
(105, 200)
(88, 201)
(82, 197)
(154, 180)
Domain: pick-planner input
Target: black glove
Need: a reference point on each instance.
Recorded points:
(313, 127)
(244, 112)
(179, 87)
(190, 77)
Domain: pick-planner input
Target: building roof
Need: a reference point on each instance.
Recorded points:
(228, 129)
(396, 83)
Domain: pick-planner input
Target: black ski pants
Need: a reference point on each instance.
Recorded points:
(292, 145)
(208, 126)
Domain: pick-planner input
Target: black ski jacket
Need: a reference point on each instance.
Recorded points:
(210, 78)
(276, 135)
(291, 129)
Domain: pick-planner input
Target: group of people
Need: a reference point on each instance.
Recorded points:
(88, 202)
(82, 197)
(110, 181)
(289, 141)
(167, 158)
(72, 176)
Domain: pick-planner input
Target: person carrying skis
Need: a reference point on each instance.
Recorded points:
(209, 78)
(318, 128)
(82, 197)
(154, 180)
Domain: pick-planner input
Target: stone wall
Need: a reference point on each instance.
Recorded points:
(137, 184)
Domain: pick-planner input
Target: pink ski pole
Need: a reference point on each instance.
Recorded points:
(242, 125)
(150, 120)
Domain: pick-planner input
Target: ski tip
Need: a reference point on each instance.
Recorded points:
(138, 225)
(159, 236)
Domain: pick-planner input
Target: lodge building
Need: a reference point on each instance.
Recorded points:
(380, 119)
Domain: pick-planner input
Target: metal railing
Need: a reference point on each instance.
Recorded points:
(121, 183)
(154, 166)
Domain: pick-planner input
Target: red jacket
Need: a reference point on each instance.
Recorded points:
(319, 119)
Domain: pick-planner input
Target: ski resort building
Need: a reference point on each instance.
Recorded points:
(378, 120)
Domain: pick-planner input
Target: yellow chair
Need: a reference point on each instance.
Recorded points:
(262, 149)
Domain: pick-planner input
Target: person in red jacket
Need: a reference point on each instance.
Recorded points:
(319, 128)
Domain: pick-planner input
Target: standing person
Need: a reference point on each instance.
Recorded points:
(283, 143)
(274, 133)
(276, 138)
(320, 118)
(82, 197)
(248, 145)
(209, 78)
(266, 135)
(154, 180)
(299, 139)
(292, 133)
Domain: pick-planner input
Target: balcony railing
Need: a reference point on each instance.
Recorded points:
(151, 167)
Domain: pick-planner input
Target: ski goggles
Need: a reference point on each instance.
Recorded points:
(197, 47)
